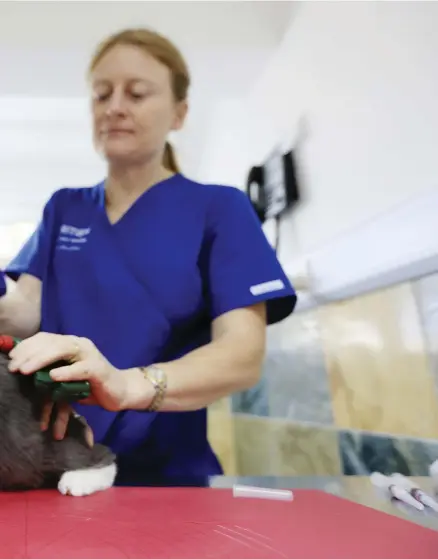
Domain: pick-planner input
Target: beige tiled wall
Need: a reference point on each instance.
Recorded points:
(221, 434)
(377, 364)
(349, 387)
(278, 447)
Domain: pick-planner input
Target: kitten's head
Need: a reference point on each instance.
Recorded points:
(14, 386)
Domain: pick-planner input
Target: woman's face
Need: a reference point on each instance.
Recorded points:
(133, 105)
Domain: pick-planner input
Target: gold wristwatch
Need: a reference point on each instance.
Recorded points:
(158, 378)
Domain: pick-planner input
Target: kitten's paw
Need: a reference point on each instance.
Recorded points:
(85, 482)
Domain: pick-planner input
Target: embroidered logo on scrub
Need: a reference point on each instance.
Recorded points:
(72, 238)
(267, 287)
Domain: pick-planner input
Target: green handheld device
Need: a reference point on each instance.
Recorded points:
(56, 391)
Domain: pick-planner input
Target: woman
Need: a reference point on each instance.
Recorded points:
(157, 289)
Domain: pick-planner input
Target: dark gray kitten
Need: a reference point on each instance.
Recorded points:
(32, 459)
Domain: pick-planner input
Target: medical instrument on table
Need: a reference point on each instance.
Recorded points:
(433, 472)
(415, 491)
(262, 493)
(394, 490)
(54, 390)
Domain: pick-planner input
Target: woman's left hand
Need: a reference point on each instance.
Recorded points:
(64, 413)
(108, 384)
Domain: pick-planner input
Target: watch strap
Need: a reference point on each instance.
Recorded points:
(158, 379)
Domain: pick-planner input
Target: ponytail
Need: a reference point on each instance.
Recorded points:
(169, 159)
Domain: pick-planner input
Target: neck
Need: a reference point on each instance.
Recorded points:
(126, 183)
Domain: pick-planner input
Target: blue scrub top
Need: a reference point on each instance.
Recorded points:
(146, 290)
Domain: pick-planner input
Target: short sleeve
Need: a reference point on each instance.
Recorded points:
(33, 257)
(3, 286)
(243, 268)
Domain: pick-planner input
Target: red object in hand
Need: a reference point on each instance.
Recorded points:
(7, 343)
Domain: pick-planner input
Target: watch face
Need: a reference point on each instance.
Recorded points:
(158, 375)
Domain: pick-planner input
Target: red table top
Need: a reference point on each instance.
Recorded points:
(198, 523)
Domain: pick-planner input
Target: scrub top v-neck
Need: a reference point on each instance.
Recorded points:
(146, 289)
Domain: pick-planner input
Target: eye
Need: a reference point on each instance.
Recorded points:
(100, 96)
(139, 90)
(137, 95)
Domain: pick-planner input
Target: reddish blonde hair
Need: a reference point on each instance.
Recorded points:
(163, 50)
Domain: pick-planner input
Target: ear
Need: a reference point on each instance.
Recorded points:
(181, 109)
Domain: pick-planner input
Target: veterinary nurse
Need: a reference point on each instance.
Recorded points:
(156, 288)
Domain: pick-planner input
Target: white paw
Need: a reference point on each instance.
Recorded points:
(85, 482)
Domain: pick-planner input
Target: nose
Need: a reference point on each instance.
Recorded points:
(116, 104)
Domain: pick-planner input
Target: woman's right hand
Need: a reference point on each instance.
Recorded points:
(63, 415)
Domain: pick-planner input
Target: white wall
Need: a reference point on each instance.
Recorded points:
(44, 123)
(189, 23)
(226, 149)
(44, 144)
(363, 77)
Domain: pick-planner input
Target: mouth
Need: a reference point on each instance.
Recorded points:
(117, 132)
